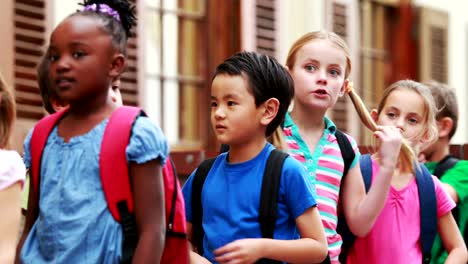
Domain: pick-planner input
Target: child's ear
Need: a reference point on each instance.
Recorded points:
(270, 110)
(374, 114)
(343, 87)
(117, 65)
(444, 125)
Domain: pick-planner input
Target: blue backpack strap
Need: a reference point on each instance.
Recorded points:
(428, 210)
(197, 210)
(365, 162)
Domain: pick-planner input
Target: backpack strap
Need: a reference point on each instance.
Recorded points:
(197, 210)
(169, 169)
(38, 141)
(268, 199)
(365, 163)
(342, 228)
(115, 179)
(428, 210)
(445, 164)
(269, 196)
(346, 151)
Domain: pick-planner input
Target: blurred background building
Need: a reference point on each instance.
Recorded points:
(179, 43)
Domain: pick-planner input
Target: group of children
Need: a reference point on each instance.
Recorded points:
(251, 95)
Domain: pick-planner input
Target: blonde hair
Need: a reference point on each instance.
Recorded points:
(430, 132)
(277, 139)
(319, 35)
(7, 113)
(407, 156)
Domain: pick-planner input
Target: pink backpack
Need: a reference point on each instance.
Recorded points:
(116, 183)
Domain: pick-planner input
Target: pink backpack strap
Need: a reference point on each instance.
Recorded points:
(39, 138)
(113, 163)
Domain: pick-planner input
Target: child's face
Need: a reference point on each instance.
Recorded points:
(404, 109)
(80, 59)
(234, 116)
(319, 74)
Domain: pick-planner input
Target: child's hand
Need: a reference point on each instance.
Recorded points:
(242, 251)
(390, 140)
(197, 259)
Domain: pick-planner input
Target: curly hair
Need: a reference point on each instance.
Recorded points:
(120, 30)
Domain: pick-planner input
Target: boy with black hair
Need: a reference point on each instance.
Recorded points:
(250, 94)
(452, 172)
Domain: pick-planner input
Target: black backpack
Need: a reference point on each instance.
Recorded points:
(269, 192)
(442, 166)
(268, 199)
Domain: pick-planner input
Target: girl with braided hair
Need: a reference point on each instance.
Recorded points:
(86, 53)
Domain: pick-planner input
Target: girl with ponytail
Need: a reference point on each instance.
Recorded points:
(408, 106)
(319, 63)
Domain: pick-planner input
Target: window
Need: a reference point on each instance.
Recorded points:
(175, 61)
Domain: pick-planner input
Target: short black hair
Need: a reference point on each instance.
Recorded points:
(267, 79)
(121, 30)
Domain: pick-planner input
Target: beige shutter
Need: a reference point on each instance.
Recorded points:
(339, 26)
(29, 31)
(433, 43)
(342, 17)
(265, 26)
(129, 79)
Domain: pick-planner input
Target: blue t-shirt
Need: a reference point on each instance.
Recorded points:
(74, 223)
(231, 199)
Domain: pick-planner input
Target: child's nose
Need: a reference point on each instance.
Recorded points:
(400, 124)
(63, 64)
(322, 77)
(219, 112)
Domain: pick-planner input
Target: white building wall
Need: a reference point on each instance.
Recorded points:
(457, 56)
(295, 18)
(60, 10)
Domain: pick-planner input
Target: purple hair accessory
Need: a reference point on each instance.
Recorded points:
(104, 9)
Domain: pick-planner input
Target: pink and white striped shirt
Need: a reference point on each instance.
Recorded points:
(325, 166)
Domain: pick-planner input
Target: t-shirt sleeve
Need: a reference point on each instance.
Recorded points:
(355, 149)
(187, 192)
(457, 177)
(27, 149)
(12, 169)
(296, 187)
(147, 142)
(444, 202)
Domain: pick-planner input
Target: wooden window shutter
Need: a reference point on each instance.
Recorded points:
(265, 27)
(340, 27)
(29, 30)
(433, 57)
(129, 79)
